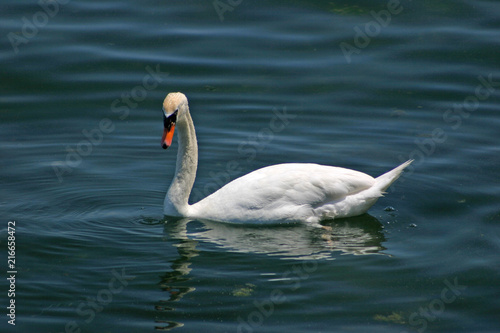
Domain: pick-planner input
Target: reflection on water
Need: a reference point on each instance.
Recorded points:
(357, 235)
(360, 235)
(172, 281)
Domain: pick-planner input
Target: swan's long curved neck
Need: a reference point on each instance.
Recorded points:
(176, 200)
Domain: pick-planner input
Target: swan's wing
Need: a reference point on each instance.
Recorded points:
(318, 184)
(285, 190)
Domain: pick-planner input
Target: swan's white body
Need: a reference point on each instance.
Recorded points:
(279, 193)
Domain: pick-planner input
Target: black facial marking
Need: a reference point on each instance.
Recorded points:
(170, 120)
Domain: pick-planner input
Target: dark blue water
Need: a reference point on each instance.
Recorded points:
(362, 85)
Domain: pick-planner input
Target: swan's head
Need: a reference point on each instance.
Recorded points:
(175, 106)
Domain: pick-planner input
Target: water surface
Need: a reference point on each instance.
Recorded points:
(84, 177)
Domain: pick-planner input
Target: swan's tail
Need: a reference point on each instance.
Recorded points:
(385, 180)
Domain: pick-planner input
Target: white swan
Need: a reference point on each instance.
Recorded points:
(288, 192)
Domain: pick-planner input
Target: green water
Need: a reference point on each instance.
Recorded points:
(366, 85)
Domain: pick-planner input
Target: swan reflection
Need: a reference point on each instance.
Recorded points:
(173, 281)
(358, 235)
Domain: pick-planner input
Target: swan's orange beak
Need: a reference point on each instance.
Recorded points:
(168, 134)
(168, 130)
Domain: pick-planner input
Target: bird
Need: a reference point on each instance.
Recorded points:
(280, 193)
